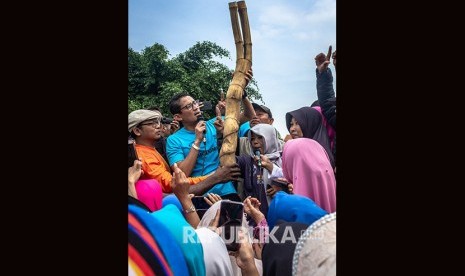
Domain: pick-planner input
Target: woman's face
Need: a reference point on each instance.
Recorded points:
(295, 130)
(257, 142)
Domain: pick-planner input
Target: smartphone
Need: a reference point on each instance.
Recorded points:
(207, 105)
(280, 183)
(132, 153)
(201, 212)
(200, 203)
(231, 215)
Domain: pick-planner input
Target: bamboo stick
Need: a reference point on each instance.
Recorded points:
(243, 42)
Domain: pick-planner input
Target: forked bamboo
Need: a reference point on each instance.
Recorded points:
(243, 41)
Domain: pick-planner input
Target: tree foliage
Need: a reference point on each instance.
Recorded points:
(153, 78)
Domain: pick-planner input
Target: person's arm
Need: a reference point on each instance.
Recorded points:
(249, 112)
(251, 208)
(274, 170)
(134, 174)
(334, 60)
(154, 167)
(188, 164)
(324, 88)
(222, 174)
(180, 186)
(245, 255)
(219, 126)
(175, 153)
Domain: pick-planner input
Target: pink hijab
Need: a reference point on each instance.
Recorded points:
(150, 193)
(306, 165)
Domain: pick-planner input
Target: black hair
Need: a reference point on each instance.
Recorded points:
(154, 108)
(174, 105)
(132, 134)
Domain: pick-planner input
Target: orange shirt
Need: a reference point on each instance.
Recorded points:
(155, 167)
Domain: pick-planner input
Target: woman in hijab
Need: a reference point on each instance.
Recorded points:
(262, 139)
(206, 222)
(293, 208)
(307, 122)
(315, 252)
(310, 172)
(155, 235)
(185, 236)
(277, 254)
(150, 193)
(216, 258)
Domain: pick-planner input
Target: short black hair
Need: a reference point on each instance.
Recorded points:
(174, 105)
(154, 108)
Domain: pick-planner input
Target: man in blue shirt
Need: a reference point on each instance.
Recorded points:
(195, 152)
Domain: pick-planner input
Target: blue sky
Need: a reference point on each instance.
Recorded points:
(286, 36)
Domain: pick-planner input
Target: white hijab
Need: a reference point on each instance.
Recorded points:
(215, 254)
(205, 222)
(272, 149)
(315, 252)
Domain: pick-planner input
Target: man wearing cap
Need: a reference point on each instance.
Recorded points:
(145, 127)
(168, 127)
(194, 147)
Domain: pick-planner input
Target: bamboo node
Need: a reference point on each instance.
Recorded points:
(234, 118)
(237, 85)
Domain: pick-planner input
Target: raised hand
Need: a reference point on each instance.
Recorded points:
(174, 126)
(180, 183)
(134, 174)
(266, 163)
(328, 56)
(212, 199)
(334, 59)
(248, 77)
(251, 208)
(199, 129)
(219, 123)
(322, 61)
(220, 108)
(245, 255)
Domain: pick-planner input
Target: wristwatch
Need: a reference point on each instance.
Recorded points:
(195, 147)
(190, 210)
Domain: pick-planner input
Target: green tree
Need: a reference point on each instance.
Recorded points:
(154, 78)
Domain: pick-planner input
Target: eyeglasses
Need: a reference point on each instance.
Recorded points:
(155, 122)
(190, 106)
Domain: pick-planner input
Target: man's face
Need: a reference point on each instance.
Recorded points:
(150, 129)
(261, 117)
(189, 110)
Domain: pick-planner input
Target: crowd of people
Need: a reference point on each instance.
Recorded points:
(273, 212)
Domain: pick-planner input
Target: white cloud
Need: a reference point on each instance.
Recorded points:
(279, 16)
